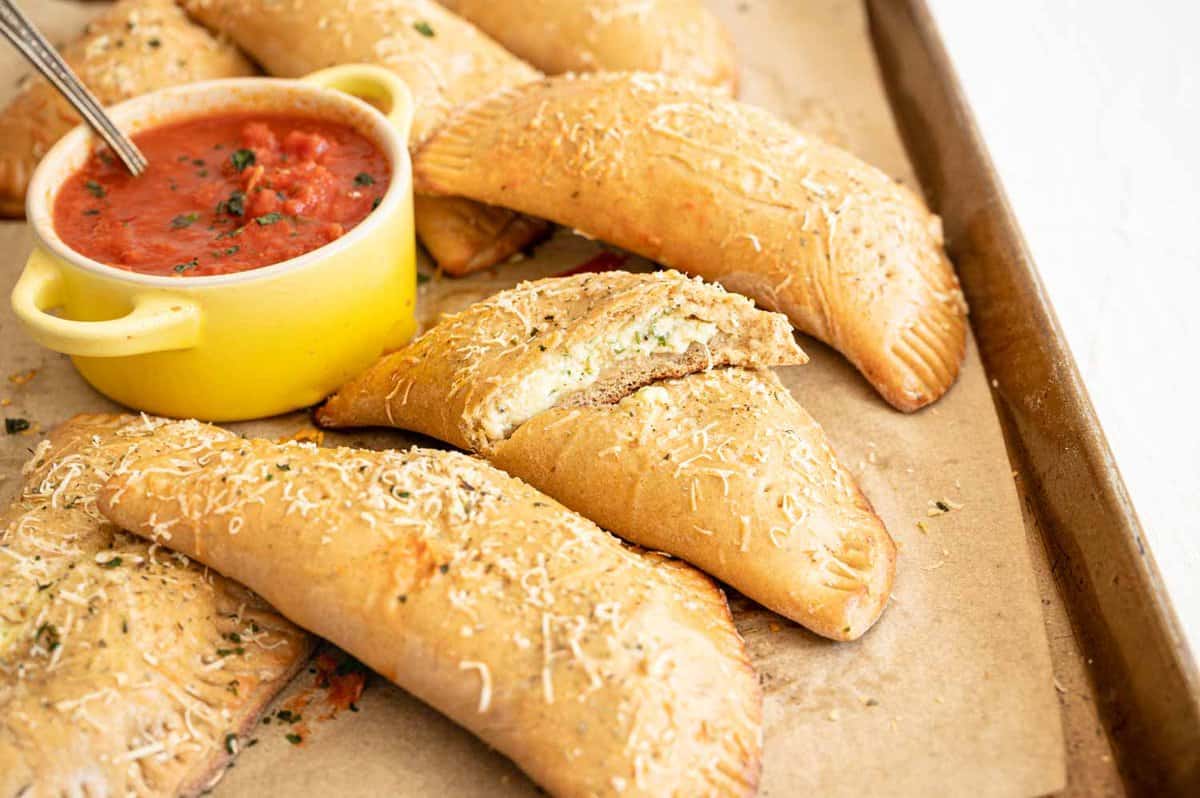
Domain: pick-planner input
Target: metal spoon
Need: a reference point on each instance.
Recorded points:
(17, 28)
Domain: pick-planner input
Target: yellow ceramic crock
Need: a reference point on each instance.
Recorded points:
(244, 345)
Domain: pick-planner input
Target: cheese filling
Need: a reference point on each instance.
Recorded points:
(567, 371)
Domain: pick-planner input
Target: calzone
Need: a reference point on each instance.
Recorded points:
(125, 669)
(626, 397)
(599, 669)
(675, 37)
(692, 179)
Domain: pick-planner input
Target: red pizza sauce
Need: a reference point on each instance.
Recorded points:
(223, 194)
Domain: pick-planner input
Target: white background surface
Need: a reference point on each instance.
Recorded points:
(1091, 111)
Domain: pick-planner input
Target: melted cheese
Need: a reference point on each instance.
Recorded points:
(578, 368)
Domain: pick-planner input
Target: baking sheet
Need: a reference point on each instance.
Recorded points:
(952, 689)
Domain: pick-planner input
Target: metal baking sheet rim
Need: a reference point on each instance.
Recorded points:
(1145, 680)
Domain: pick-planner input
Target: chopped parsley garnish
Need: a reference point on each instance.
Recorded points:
(287, 716)
(95, 189)
(229, 251)
(155, 43)
(234, 206)
(184, 220)
(941, 505)
(47, 635)
(422, 278)
(232, 687)
(14, 425)
(294, 739)
(269, 218)
(231, 746)
(225, 652)
(180, 268)
(92, 212)
(113, 563)
(283, 466)
(242, 158)
(375, 202)
(363, 179)
(424, 29)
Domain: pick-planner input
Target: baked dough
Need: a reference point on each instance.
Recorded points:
(445, 61)
(725, 470)
(676, 37)
(561, 341)
(600, 670)
(464, 237)
(685, 176)
(135, 47)
(123, 669)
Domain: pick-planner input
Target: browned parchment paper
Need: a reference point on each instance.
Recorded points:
(951, 693)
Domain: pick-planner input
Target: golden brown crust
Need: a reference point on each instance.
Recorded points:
(597, 668)
(725, 470)
(699, 182)
(445, 61)
(675, 37)
(478, 374)
(119, 669)
(463, 236)
(135, 47)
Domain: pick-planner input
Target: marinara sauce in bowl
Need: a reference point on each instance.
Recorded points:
(265, 257)
(223, 194)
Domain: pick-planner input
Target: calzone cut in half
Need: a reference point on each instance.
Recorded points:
(599, 669)
(445, 61)
(675, 37)
(688, 177)
(134, 47)
(720, 466)
(558, 342)
(124, 669)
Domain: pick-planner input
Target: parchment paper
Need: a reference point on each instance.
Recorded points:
(952, 692)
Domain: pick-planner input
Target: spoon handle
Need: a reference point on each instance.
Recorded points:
(17, 28)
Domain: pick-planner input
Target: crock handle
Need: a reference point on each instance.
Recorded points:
(158, 322)
(375, 84)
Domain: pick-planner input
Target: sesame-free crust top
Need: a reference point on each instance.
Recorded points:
(675, 37)
(124, 668)
(597, 668)
(478, 375)
(725, 470)
(685, 176)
